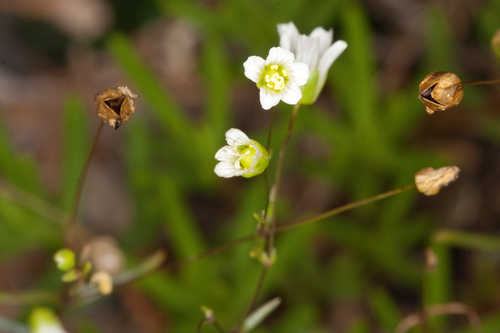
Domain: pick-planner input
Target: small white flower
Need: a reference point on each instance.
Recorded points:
(241, 157)
(279, 77)
(315, 50)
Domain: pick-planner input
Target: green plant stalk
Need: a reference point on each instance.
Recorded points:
(270, 221)
(83, 176)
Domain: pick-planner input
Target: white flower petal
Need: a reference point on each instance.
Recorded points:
(280, 55)
(226, 153)
(288, 35)
(324, 37)
(308, 51)
(329, 57)
(268, 99)
(226, 170)
(292, 95)
(299, 73)
(236, 137)
(253, 67)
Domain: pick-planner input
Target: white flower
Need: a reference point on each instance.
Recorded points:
(241, 157)
(279, 77)
(316, 50)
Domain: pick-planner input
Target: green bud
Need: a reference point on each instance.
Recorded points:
(310, 90)
(207, 313)
(65, 259)
(70, 276)
(251, 152)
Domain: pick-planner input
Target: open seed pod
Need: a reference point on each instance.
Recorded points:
(116, 105)
(440, 91)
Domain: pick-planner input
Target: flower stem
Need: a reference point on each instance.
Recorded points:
(149, 265)
(83, 175)
(270, 221)
(344, 208)
(480, 83)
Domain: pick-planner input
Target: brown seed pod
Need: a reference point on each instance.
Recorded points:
(440, 91)
(115, 105)
(429, 181)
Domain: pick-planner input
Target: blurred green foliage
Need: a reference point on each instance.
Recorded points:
(370, 149)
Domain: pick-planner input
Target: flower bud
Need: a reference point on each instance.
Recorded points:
(241, 156)
(116, 105)
(495, 43)
(103, 281)
(429, 181)
(104, 255)
(208, 314)
(43, 320)
(440, 91)
(65, 259)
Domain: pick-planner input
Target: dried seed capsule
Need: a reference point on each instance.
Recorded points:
(116, 105)
(104, 254)
(429, 181)
(440, 91)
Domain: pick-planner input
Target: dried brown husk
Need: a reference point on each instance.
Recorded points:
(116, 105)
(440, 91)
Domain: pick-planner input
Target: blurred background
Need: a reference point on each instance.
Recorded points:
(151, 184)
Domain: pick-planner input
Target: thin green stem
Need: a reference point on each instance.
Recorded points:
(268, 147)
(270, 221)
(467, 240)
(149, 265)
(83, 175)
(480, 83)
(344, 208)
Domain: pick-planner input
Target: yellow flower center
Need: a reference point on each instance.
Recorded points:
(273, 77)
(247, 152)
